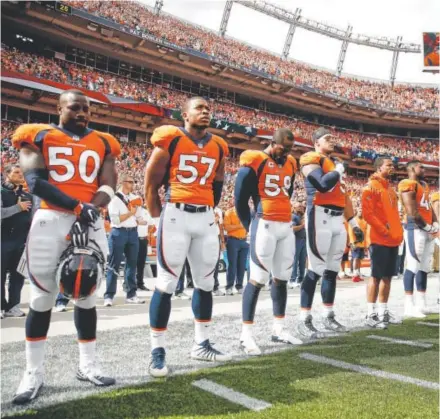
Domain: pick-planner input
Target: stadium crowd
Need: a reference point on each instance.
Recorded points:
(399, 98)
(161, 95)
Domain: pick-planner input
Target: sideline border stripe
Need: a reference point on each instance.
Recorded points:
(428, 324)
(401, 341)
(231, 395)
(369, 371)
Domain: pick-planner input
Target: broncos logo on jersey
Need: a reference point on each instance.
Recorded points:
(193, 164)
(274, 183)
(73, 162)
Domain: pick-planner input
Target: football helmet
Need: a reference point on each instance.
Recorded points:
(80, 270)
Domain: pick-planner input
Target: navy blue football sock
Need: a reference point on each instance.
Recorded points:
(328, 287)
(202, 304)
(160, 309)
(308, 287)
(421, 281)
(37, 324)
(408, 281)
(85, 322)
(250, 298)
(278, 292)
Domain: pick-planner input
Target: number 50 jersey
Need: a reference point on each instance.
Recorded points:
(73, 162)
(193, 164)
(274, 183)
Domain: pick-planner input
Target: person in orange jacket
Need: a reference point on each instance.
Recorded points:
(381, 212)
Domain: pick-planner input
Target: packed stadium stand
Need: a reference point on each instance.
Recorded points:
(119, 80)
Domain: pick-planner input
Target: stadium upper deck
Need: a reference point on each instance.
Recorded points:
(164, 42)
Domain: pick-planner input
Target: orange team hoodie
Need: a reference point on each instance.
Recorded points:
(381, 212)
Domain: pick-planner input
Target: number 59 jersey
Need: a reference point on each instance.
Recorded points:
(274, 182)
(73, 162)
(422, 197)
(193, 164)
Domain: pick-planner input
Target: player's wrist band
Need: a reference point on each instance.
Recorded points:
(77, 209)
(107, 190)
(353, 223)
(428, 228)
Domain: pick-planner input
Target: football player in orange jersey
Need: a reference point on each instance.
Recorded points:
(190, 163)
(72, 169)
(267, 176)
(327, 204)
(421, 226)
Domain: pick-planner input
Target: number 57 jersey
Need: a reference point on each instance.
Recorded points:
(73, 162)
(193, 164)
(274, 184)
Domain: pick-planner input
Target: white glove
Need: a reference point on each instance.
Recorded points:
(434, 227)
(340, 168)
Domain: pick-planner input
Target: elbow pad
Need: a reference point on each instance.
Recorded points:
(323, 182)
(217, 187)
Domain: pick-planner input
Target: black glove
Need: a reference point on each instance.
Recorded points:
(358, 234)
(88, 214)
(79, 233)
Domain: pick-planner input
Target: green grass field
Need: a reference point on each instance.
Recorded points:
(295, 387)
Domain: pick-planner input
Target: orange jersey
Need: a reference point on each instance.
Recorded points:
(380, 210)
(193, 164)
(73, 162)
(335, 196)
(274, 182)
(422, 197)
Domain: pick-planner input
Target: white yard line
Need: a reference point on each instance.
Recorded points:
(231, 395)
(401, 341)
(369, 371)
(428, 324)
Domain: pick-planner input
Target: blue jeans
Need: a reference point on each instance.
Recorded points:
(61, 300)
(237, 251)
(299, 261)
(122, 241)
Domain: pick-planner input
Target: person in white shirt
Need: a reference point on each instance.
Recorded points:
(144, 222)
(123, 211)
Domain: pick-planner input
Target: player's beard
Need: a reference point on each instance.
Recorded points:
(200, 127)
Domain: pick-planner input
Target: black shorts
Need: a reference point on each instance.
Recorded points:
(358, 253)
(383, 261)
(345, 257)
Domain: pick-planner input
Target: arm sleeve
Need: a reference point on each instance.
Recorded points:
(217, 187)
(10, 211)
(323, 182)
(369, 211)
(37, 180)
(244, 185)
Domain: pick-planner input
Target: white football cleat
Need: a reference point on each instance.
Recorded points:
(29, 387)
(206, 352)
(284, 337)
(414, 312)
(249, 346)
(157, 366)
(60, 308)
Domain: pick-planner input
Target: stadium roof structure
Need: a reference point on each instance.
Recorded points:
(295, 19)
(142, 48)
